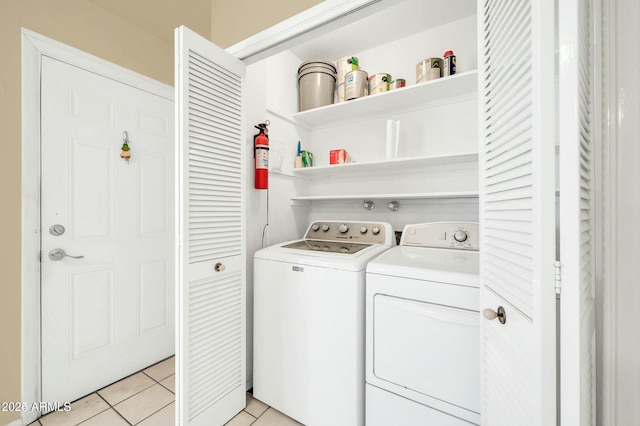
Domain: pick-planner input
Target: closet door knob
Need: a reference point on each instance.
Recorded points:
(219, 267)
(490, 314)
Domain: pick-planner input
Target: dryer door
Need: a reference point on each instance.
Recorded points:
(427, 352)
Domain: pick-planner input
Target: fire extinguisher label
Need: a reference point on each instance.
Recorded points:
(262, 159)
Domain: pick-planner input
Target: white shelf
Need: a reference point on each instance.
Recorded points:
(288, 174)
(395, 196)
(395, 165)
(403, 99)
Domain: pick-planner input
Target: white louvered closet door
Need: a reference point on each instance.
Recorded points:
(517, 210)
(578, 118)
(210, 360)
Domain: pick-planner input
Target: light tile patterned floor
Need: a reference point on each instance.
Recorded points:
(147, 399)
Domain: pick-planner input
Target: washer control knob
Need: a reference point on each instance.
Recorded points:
(315, 227)
(375, 230)
(363, 229)
(460, 236)
(325, 228)
(344, 228)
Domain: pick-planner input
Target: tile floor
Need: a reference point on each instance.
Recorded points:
(147, 399)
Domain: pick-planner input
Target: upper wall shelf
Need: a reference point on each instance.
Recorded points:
(407, 98)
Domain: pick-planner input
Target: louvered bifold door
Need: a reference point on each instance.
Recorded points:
(517, 211)
(578, 119)
(210, 356)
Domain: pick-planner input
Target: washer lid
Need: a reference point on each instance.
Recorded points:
(429, 264)
(325, 259)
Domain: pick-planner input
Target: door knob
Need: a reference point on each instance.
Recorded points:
(219, 267)
(59, 254)
(490, 314)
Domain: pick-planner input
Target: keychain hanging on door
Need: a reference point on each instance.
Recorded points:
(126, 151)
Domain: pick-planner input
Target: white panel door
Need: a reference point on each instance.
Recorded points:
(578, 118)
(109, 313)
(211, 358)
(517, 211)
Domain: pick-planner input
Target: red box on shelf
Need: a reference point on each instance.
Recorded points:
(338, 156)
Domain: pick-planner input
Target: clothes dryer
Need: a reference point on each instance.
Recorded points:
(423, 329)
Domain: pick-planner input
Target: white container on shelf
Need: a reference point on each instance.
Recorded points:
(393, 138)
(316, 84)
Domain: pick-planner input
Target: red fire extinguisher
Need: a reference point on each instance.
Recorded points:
(261, 155)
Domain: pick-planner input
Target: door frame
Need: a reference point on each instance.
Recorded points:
(34, 47)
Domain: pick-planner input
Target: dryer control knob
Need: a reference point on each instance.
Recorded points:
(460, 236)
(315, 227)
(344, 228)
(363, 229)
(325, 228)
(375, 230)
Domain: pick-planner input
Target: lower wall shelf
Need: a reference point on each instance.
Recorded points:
(398, 197)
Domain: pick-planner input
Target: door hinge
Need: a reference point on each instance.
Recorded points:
(558, 267)
(40, 256)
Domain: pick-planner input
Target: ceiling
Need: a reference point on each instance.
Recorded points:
(161, 17)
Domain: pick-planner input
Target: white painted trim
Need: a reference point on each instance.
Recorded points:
(606, 290)
(30, 345)
(599, 126)
(34, 47)
(327, 15)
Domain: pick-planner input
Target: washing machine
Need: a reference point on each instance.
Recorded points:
(309, 321)
(423, 329)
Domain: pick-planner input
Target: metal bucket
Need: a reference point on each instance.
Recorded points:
(316, 84)
(356, 84)
(317, 63)
(429, 69)
(379, 83)
(397, 84)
